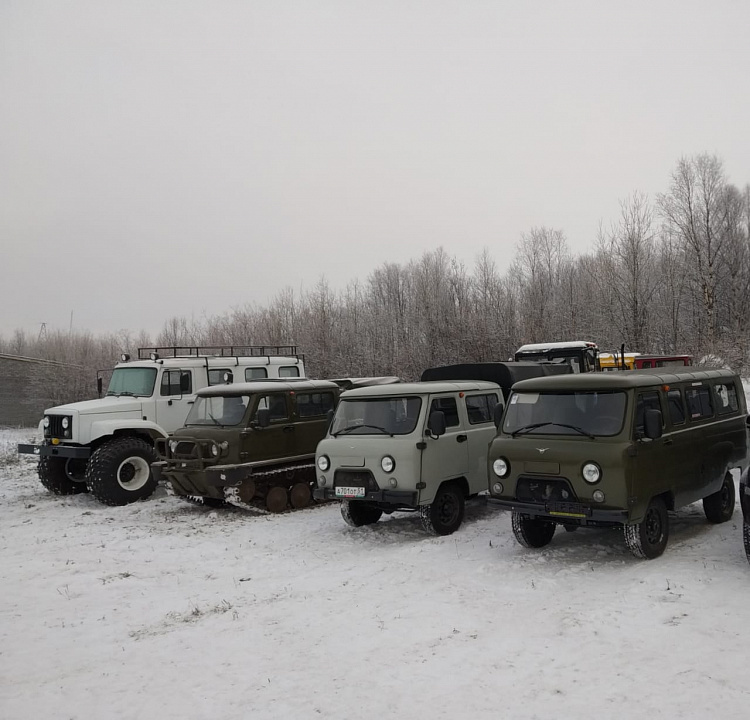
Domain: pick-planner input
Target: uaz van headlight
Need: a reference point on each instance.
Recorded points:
(501, 467)
(323, 463)
(215, 450)
(173, 445)
(591, 472)
(388, 464)
(65, 423)
(45, 422)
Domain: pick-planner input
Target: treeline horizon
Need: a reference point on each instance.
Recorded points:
(669, 275)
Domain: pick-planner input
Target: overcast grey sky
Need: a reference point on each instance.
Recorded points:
(183, 158)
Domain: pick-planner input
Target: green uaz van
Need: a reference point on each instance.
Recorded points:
(618, 449)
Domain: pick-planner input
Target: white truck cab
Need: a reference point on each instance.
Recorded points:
(412, 446)
(106, 446)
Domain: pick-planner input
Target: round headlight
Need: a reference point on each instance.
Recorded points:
(323, 463)
(599, 496)
(501, 467)
(497, 488)
(388, 464)
(65, 423)
(215, 450)
(173, 445)
(45, 422)
(393, 482)
(322, 481)
(591, 473)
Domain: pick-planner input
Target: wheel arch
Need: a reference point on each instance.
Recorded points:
(104, 431)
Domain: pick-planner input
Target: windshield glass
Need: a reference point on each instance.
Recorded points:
(377, 416)
(577, 413)
(229, 410)
(132, 381)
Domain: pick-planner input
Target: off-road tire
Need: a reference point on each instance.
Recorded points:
(112, 458)
(648, 539)
(746, 538)
(53, 476)
(357, 514)
(532, 532)
(444, 515)
(719, 507)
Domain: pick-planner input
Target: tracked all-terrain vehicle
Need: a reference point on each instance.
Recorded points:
(106, 446)
(249, 444)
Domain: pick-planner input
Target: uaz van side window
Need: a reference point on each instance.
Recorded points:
(699, 402)
(255, 373)
(726, 398)
(479, 408)
(676, 407)
(646, 401)
(449, 408)
(314, 404)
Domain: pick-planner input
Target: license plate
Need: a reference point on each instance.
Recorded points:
(348, 492)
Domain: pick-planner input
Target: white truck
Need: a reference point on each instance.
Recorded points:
(106, 446)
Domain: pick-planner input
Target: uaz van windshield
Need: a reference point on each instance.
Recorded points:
(593, 414)
(218, 410)
(138, 381)
(377, 416)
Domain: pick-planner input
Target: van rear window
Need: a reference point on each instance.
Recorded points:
(726, 398)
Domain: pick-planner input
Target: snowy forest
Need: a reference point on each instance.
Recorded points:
(669, 275)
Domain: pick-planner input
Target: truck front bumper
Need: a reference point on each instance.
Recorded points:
(393, 498)
(77, 452)
(565, 513)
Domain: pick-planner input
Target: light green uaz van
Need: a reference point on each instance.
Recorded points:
(414, 446)
(618, 449)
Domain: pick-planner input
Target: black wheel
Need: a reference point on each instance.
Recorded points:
(719, 507)
(746, 538)
(119, 472)
(357, 514)
(532, 532)
(446, 512)
(649, 538)
(59, 475)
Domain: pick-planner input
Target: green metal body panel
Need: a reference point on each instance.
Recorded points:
(688, 462)
(245, 450)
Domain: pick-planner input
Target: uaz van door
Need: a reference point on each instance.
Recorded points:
(447, 456)
(480, 427)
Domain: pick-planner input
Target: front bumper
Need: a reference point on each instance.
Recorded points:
(565, 513)
(77, 452)
(393, 498)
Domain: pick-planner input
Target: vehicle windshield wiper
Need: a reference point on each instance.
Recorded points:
(352, 428)
(121, 393)
(529, 428)
(216, 422)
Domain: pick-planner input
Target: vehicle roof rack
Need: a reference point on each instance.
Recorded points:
(234, 351)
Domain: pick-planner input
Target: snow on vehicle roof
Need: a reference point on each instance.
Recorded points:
(544, 347)
(213, 362)
(266, 386)
(420, 388)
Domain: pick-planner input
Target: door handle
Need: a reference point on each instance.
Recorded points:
(461, 438)
(288, 428)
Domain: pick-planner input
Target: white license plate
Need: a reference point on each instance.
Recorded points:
(348, 492)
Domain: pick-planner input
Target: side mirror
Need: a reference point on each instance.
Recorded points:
(747, 421)
(263, 418)
(184, 382)
(652, 423)
(436, 423)
(99, 386)
(497, 415)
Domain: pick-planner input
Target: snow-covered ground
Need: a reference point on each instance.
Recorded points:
(162, 609)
